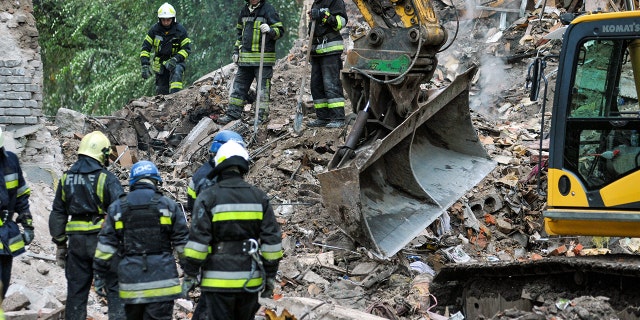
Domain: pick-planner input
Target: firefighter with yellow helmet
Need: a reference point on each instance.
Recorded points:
(14, 198)
(83, 195)
(170, 45)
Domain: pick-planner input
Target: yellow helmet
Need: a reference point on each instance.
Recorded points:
(166, 11)
(96, 145)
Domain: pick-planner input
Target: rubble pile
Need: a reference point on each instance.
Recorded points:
(324, 272)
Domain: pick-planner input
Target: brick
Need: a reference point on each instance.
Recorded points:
(36, 112)
(31, 120)
(17, 111)
(17, 79)
(559, 251)
(31, 88)
(37, 96)
(18, 87)
(19, 71)
(6, 72)
(30, 103)
(15, 95)
(4, 119)
(16, 120)
(5, 87)
(11, 63)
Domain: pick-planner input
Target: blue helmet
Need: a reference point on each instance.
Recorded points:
(222, 137)
(144, 169)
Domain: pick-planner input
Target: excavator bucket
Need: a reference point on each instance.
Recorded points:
(396, 186)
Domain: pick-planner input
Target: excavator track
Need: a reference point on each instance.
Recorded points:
(483, 289)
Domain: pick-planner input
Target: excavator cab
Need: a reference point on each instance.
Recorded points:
(594, 164)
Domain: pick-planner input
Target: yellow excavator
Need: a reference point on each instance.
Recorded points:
(411, 152)
(593, 175)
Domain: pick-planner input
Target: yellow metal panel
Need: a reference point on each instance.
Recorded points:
(623, 191)
(606, 16)
(592, 228)
(576, 196)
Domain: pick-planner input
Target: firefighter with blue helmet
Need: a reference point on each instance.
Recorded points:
(14, 198)
(199, 180)
(83, 195)
(146, 228)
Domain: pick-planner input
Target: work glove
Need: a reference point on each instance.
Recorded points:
(319, 14)
(146, 71)
(28, 235)
(61, 255)
(264, 28)
(269, 285)
(235, 57)
(99, 285)
(188, 283)
(171, 64)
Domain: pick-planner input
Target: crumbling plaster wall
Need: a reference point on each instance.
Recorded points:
(20, 66)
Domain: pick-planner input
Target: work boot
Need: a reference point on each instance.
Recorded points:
(225, 119)
(318, 123)
(335, 124)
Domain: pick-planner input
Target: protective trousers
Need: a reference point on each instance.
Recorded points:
(326, 87)
(200, 313)
(231, 306)
(79, 274)
(157, 311)
(170, 82)
(241, 86)
(6, 262)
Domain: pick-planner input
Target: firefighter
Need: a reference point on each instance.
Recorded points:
(330, 17)
(82, 197)
(146, 227)
(257, 18)
(235, 220)
(14, 197)
(199, 179)
(171, 46)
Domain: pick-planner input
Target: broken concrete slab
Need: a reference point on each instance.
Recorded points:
(316, 309)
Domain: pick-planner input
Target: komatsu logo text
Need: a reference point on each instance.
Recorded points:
(632, 27)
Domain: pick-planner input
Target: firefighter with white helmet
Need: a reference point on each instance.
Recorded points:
(234, 240)
(14, 198)
(164, 51)
(83, 195)
(146, 227)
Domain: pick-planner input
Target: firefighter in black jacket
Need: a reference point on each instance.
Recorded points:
(14, 197)
(256, 18)
(235, 220)
(330, 17)
(82, 197)
(171, 46)
(146, 227)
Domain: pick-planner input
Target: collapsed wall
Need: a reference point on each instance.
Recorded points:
(20, 66)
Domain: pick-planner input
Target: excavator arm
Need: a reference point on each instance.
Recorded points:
(402, 165)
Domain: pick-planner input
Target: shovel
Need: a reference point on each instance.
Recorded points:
(259, 91)
(297, 122)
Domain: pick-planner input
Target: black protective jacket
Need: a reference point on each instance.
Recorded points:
(145, 228)
(84, 192)
(164, 44)
(249, 35)
(326, 37)
(225, 217)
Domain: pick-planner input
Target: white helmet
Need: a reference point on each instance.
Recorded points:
(166, 11)
(230, 149)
